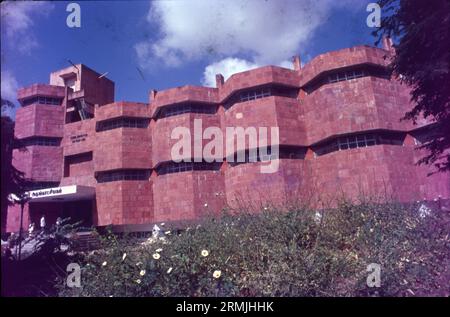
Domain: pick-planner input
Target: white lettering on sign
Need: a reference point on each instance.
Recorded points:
(53, 191)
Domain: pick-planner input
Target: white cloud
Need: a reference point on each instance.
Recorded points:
(9, 88)
(286, 64)
(266, 32)
(229, 66)
(226, 67)
(17, 21)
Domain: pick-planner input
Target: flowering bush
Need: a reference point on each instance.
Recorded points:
(279, 253)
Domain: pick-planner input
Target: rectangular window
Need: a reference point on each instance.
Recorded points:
(40, 141)
(173, 110)
(42, 100)
(345, 75)
(123, 175)
(171, 168)
(131, 122)
(357, 141)
(255, 94)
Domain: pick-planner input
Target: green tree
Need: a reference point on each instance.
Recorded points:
(421, 30)
(12, 180)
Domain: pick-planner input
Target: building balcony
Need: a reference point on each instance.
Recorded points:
(44, 90)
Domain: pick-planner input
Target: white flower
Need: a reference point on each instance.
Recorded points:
(142, 273)
(139, 263)
(424, 211)
(217, 274)
(317, 217)
(167, 232)
(104, 263)
(156, 256)
(162, 223)
(158, 250)
(124, 256)
(169, 270)
(206, 205)
(205, 253)
(138, 281)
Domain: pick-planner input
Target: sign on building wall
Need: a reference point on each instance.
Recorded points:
(78, 138)
(48, 192)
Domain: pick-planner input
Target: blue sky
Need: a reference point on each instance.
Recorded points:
(172, 43)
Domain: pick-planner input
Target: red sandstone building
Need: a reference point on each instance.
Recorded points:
(109, 163)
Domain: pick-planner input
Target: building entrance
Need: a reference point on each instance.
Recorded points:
(74, 202)
(77, 211)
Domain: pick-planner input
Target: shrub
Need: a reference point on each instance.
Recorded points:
(279, 253)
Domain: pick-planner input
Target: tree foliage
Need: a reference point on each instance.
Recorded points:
(422, 32)
(12, 180)
(35, 274)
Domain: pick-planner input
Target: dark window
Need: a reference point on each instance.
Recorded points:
(391, 137)
(128, 122)
(338, 75)
(359, 141)
(42, 100)
(31, 185)
(356, 141)
(327, 147)
(261, 92)
(173, 110)
(123, 175)
(345, 75)
(268, 154)
(255, 94)
(173, 167)
(292, 152)
(39, 140)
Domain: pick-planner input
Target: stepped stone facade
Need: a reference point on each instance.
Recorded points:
(109, 162)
